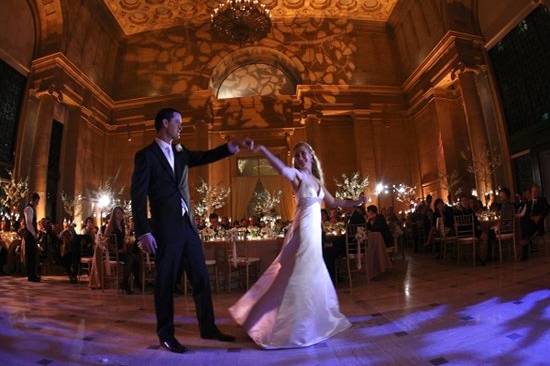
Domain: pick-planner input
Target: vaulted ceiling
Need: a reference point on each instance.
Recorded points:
(135, 16)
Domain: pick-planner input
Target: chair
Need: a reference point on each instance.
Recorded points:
(506, 230)
(465, 234)
(356, 251)
(210, 263)
(148, 269)
(112, 259)
(444, 236)
(82, 244)
(237, 263)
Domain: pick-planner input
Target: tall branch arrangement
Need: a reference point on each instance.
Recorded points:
(351, 187)
(265, 202)
(211, 199)
(452, 183)
(482, 166)
(13, 195)
(72, 204)
(404, 193)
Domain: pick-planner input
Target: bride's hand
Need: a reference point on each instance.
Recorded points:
(248, 143)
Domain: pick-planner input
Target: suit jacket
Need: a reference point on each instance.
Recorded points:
(538, 208)
(380, 225)
(153, 178)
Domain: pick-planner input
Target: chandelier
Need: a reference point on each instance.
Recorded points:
(241, 21)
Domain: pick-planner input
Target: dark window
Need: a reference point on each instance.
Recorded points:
(54, 157)
(523, 169)
(12, 89)
(522, 66)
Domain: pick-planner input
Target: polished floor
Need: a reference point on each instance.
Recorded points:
(425, 312)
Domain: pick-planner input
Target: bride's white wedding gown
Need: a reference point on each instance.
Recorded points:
(293, 303)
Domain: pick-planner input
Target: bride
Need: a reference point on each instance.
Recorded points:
(293, 303)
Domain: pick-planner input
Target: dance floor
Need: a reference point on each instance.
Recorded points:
(422, 313)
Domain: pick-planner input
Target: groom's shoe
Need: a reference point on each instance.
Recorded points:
(173, 345)
(218, 336)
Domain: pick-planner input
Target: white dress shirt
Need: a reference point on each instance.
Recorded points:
(28, 212)
(169, 155)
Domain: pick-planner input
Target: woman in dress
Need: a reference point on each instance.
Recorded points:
(293, 303)
(117, 234)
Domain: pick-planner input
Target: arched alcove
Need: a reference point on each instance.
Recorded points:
(256, 79)
(243, 60)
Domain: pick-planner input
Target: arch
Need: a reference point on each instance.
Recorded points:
(255, 55)
(18, 33)
(49, 24)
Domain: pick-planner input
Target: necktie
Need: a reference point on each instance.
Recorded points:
(170, 156)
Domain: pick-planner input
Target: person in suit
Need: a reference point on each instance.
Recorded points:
(532, 220)
(161, 175)
(377, 223)
(31, 238)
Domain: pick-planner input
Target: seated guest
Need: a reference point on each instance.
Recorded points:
(334, 247)
(128, 252)
(82, 245)
(214, 220)
(506, 207)
(66, 237)
(466, 207)
(377, 223)
(49, 244)
(225, 224)
(532, 221)
(358, 216)
(443, 216)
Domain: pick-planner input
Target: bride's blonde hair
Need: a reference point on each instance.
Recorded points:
(316, 169)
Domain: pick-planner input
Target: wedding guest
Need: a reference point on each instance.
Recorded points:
(48, 242)
(31, 237)
(128, 252)
(377, 223)
(358, 216)
(506, 207)
(100, 261)
(334, 247)
(66, 238)
(443, 215)
(225, 223)
(532, 222)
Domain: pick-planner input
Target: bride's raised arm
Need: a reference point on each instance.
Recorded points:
(334, 202)
(283, 169)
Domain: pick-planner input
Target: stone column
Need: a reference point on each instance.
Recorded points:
(78, 120)
(41, 150)
(313, 134)
(364, 149)
(475, 123)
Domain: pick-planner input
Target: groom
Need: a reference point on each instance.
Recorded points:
(161, 174)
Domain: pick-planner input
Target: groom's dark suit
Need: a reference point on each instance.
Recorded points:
(176, 235)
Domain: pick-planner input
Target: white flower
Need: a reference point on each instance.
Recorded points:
(179, 148)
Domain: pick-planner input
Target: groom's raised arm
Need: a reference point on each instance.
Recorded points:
(139, 190)
(197, 158)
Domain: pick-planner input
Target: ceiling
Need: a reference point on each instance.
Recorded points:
(135, 16)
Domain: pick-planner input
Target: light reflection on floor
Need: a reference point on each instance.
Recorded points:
(423, 313)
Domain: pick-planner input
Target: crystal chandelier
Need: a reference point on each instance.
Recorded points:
(241, 21)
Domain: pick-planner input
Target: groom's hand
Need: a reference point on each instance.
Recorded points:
(233, 146)
(147, 243)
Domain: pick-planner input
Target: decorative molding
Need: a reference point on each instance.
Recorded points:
(135, 16)
(10, 60)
